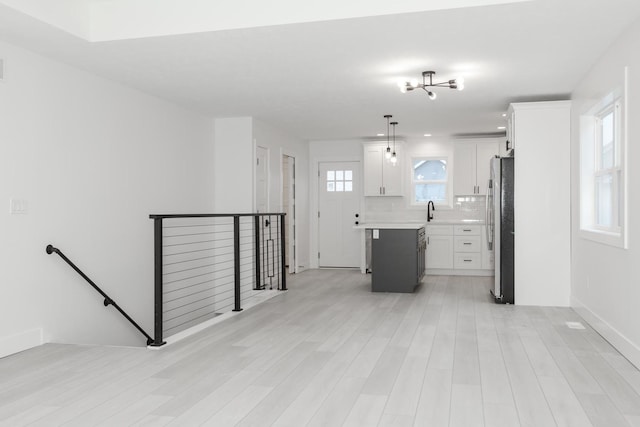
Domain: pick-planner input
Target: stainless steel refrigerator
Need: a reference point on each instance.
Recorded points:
(500, 227)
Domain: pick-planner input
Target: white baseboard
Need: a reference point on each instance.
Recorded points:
(20, 342)
(458, 272)
(625, 346)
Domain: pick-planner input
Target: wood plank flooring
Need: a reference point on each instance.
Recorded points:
(330, 353)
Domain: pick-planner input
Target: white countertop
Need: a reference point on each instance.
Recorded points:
(391, 225)
(414, 225)
(456, 222)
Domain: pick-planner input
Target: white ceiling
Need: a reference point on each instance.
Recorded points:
(336, 79)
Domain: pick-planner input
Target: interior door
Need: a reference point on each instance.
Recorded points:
(339, 196)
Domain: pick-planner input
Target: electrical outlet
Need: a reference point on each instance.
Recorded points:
(18, 206)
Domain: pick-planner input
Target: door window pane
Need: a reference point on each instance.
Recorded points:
(339, 181)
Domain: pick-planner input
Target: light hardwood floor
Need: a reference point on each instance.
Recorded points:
(330, 353)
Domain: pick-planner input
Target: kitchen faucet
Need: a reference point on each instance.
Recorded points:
(430, 208)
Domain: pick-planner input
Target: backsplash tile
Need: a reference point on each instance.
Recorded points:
(386, 209)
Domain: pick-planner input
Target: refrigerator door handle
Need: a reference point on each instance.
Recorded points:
(489, 215)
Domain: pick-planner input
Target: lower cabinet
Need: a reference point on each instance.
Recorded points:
(458, 249)
(466, 247)
(439, 246)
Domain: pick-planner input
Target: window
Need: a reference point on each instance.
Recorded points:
(602, 183)
(339, 181)
(429, 180)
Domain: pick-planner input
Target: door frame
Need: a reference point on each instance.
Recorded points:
(255, 187)
(292, 223)
(314, 199)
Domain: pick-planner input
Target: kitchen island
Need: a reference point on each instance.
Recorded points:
(397, 256)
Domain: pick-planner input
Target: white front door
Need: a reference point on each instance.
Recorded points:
(339, 209)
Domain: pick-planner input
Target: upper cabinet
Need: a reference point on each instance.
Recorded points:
(471, 167)
(381, 177)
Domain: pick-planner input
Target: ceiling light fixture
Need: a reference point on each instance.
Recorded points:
(387, 153)
(394, 157)
(427, 82)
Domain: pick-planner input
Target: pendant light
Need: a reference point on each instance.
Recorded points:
(394, 157)
(387, 153)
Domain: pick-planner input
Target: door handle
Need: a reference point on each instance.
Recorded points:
(357, 215)
(357, 223)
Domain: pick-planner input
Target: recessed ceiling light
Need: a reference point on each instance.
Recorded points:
(502, 127)
(380, 134)
(427, 134)
(504, 114)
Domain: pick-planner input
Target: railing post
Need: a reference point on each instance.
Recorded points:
(282, 254)
(256, 242)
(236, 261)
(157, 267)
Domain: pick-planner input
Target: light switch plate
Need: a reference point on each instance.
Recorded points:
(18, 206)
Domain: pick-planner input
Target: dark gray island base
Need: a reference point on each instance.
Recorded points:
(397, 259)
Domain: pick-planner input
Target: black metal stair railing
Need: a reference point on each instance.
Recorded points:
(107, 300)
(207, 264)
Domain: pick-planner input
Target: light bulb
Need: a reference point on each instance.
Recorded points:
(413, 83)
(460, 83)
(432, 95)
(394, 158)
(387, 154)
(403, 89)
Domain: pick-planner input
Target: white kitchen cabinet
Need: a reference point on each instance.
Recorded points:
(467, 250)
(471, 166)
(439, 246)
(457, 249)
(381, 177)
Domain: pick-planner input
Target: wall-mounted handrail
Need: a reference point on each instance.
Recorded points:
(107, 300)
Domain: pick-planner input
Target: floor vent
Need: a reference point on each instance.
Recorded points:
(575, 325)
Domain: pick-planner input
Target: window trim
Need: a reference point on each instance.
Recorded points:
(590, 169)
(448, 199)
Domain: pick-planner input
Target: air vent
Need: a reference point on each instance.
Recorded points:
(575, 325)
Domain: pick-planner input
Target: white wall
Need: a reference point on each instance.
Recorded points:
(233, 165)
(93, 159)
(542, 207)
(605, 284)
